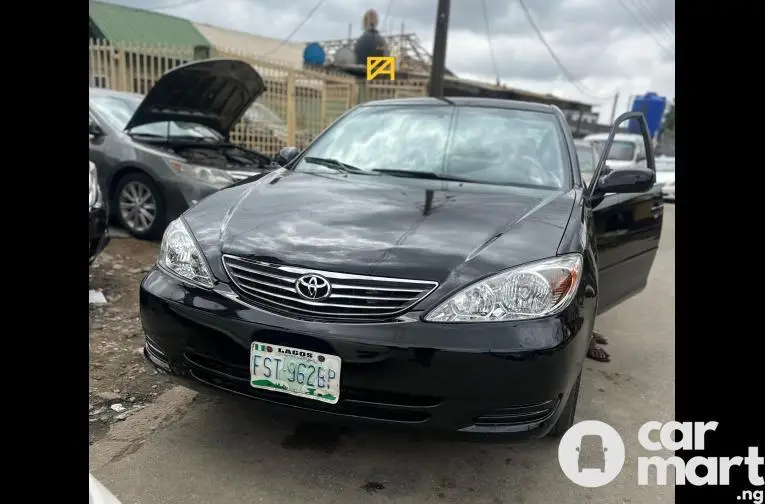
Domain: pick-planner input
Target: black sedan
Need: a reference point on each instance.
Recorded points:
(424, 262)
(98, 229)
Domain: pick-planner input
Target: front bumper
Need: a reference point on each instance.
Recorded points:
(98, 231)
(504, 381)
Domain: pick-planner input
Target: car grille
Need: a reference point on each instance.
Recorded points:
(351, 297)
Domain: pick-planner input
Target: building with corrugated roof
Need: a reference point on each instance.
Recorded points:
(120, 24)
(289, 54)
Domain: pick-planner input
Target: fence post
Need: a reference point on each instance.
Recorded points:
(353, 98)
(324, 97)
(362, 92)
(121, 64)
(291, 117)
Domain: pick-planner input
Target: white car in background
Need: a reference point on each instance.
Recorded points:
(627, 150)
(665, 176)
(99, 494)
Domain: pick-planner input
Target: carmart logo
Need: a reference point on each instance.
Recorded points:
(591, 454)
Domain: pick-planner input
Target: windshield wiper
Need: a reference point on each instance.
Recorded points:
(149, 135)
(193, 138)
(420, 175)
(334, 163)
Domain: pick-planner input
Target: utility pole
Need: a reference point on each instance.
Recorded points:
(613, 109)
(436, 85)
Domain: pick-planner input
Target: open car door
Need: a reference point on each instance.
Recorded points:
(627, 227)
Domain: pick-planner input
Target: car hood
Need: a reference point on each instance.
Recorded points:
(214, 93)
(380, 225)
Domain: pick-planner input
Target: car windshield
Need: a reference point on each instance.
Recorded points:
(117, 111)
(621, 150)
(665, 165)
(260, 113)
(476, 144)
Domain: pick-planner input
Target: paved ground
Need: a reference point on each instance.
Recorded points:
(188, 449)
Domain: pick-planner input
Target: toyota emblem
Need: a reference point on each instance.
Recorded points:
(313, 287)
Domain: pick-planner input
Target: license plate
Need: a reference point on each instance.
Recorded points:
(294, 371)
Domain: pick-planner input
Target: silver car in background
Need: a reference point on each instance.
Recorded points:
(588, 157)
(665, 176)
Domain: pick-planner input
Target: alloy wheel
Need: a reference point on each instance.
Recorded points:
(138, 208)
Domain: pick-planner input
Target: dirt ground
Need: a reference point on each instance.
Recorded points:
(121, 382)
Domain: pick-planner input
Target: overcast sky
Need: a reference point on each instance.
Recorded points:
(610, 46)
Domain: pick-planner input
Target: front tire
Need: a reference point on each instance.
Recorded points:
(139, 206)
(566, 419)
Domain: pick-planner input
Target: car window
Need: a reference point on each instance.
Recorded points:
(485, 145)
(117, 111)
(587, 162)
(621, 150)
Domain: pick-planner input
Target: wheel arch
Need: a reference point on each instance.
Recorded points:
(122, 172)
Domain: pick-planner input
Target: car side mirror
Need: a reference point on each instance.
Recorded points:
(626, 180)
(94, 130)
(635, 179)
(286, 155)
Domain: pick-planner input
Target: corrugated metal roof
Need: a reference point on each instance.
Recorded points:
(125, 24)
(289, 54)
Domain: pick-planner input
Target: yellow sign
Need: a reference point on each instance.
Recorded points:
(381, 65)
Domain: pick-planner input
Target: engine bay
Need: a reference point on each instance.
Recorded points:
(223, 156)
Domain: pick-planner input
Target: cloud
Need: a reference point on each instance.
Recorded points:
(610, 46)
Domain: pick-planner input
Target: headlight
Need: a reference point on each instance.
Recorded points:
(179, 254)
(94, 192)
(534, 290)
(213, 176)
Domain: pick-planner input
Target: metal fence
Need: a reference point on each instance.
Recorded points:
(297, 105)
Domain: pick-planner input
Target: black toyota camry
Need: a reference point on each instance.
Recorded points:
(426, 262)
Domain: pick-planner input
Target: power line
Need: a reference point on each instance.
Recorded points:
(387, 11)
(652, 23)
(488, 38)
(568, 75)
(665, 50)
(297, 28)
(663, 28)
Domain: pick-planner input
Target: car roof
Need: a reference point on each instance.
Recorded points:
(465, 102)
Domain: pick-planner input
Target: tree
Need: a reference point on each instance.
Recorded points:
(669, 117)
